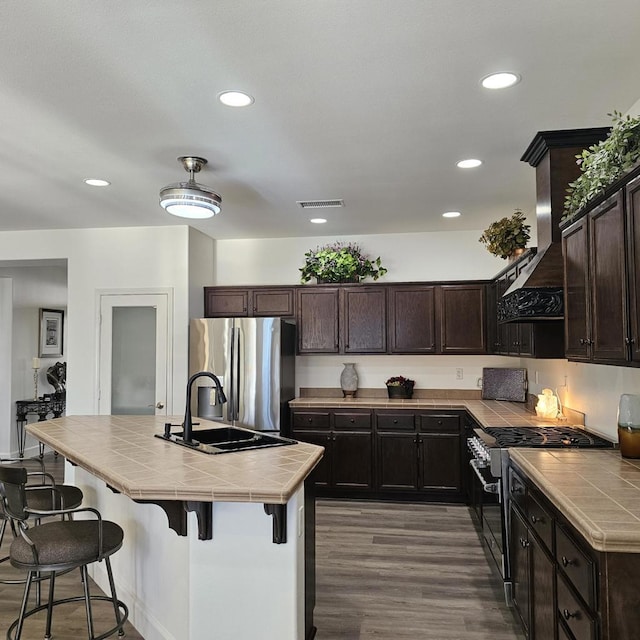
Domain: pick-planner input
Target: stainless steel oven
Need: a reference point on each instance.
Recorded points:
(489, 494)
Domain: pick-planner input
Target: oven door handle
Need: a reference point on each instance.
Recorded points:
(488, 487)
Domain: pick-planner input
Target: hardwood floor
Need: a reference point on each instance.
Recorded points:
(398, 571)
(384, 572)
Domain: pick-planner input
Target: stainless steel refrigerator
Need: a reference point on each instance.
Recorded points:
(254, 358)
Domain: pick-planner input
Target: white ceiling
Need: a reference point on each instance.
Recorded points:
(372, 101)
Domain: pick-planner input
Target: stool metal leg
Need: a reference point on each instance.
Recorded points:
(23, 608)
(114, 597)
(52, 583)
(87, 600)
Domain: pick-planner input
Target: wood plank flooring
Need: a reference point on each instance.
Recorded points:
(399, 571)
(384, 572)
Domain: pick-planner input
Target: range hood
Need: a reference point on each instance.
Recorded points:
(538, 292)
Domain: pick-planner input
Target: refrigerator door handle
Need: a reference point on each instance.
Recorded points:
(231, 383)
(236, 376)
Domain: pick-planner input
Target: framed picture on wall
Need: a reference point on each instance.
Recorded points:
(51, 332)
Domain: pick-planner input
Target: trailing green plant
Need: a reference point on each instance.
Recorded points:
(603, 163)
(506, 235)
(340, 262)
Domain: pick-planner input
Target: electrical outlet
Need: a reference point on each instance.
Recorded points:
(459, 373)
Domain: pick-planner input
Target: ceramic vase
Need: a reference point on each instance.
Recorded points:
(349, 380)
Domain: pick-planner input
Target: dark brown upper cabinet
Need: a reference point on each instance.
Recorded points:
(318, 319)
(575, 250)
(596, 313)
(632, 202)
(364, 313)
(230, 302)
(462, 319)
(412, 319)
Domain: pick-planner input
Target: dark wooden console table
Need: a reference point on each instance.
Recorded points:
(43, 409)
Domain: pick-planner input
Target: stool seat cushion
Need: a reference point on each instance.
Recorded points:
(42, 498)
(66, 542)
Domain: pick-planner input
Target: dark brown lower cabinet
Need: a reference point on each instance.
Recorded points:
(397, 462)
(562, 588)
(385, 453)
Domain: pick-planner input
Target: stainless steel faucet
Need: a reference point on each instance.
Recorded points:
(188, 424)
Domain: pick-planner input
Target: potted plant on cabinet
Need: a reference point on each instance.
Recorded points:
(340, 262)
(603, 163)
(400, 387)
(507, 237)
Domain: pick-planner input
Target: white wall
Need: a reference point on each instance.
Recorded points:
(33, 288)
(127, 258)
(590, 388)
(6, 325)
(407, 256)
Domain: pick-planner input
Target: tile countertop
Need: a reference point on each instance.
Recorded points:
(597, 491)
(488, 413)
(121, 451)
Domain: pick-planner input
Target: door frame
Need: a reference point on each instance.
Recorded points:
(152, 291)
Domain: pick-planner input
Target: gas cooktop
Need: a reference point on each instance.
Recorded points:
(546, 437)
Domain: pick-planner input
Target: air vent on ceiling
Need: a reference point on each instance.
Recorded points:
(320, 204)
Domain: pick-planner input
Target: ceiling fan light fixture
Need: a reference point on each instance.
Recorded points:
(190, 199)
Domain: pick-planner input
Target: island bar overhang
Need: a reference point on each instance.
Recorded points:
(183, 587)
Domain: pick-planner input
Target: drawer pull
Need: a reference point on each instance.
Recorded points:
(524, 543)
(535, 520)
(395, 421)
(568, 615)
(566, 562)
(517, 489)
(352, 420)
(309, 420)
(439, 421)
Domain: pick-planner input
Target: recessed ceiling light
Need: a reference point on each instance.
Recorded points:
(500, 80)
(471, 163)
(451, 214)
(318, 220)
(235, 98)
(95, 182)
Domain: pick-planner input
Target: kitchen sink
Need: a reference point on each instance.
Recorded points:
(226, 440)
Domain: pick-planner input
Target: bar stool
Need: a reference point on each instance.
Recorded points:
(56, 547)
(41, 496)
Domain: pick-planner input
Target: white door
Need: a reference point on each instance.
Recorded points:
(134, 368)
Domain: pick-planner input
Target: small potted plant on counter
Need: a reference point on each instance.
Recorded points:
(508, 237)
(340, 262)
(400, 387)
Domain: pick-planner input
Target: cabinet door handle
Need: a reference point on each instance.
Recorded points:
(415, 441)
(524, 543)
(567, 614)
(309, 420)
(629, 340)
(517, 489)
(440, 422)
(352, 420)
(535, 519)
(395, 421)
(583, 341)
(566, 562)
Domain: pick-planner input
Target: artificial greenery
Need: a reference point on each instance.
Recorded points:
(603, 163)
(400, 381)
(504, 236)
(340, 262)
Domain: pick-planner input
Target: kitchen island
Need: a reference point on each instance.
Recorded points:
(200, 557)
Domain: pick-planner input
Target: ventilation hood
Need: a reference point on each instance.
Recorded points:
(538, 292)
